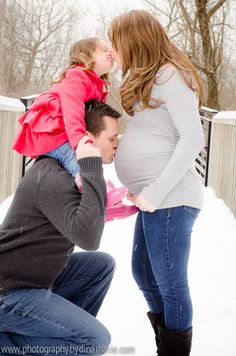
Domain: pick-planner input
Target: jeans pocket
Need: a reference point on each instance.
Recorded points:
(193, 211)
(3, 296)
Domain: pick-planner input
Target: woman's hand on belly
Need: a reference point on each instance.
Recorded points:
(140, 202)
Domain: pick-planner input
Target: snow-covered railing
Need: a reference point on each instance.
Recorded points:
(201, 161)
(222, 162)
(216, 163)
(10, 162)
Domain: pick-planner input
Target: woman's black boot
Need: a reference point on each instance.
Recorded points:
(173, 343)
(156, 320)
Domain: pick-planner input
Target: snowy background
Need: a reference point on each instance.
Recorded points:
(212, 275)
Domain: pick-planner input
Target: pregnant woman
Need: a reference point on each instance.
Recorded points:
(155, 161)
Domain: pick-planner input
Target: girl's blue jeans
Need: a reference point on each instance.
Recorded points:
(66, 156)
(160, 261)
(60, 320)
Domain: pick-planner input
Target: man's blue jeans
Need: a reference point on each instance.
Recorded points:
(60, 320)
(160, 261)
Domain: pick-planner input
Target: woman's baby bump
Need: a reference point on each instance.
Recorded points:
(140, 160)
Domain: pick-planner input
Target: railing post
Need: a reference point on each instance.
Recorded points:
(222, 163)
(27, 161)
(10, 161)
(202, 161)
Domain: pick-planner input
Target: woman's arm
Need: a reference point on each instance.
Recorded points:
(182, 105)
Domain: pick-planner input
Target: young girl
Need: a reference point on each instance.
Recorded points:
(155, 161)
(54, 124)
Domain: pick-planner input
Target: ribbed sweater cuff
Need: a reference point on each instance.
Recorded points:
(90, 164)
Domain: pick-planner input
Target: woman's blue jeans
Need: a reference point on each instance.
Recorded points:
(61, 320)
(66, 156)
(160, 261)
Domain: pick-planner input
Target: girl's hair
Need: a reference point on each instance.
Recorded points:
(144, 47)
(81, 53)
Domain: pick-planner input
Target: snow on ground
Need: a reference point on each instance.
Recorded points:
(212, 280)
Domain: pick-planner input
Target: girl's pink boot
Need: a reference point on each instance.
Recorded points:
(115, 209)
(120, 211)
(114, 195)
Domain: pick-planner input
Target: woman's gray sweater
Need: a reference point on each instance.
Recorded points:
(156, 153)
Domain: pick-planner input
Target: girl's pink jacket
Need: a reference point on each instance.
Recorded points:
(57, 116)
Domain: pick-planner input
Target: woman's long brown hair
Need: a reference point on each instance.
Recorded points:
(144, 48)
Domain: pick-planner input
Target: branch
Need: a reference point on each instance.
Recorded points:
(158, 9)
(171, 19)
(186, 16)
(215, 8)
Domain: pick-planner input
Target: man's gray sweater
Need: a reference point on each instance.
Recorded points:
(47, 218)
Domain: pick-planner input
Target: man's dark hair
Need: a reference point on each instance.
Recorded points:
(94, 116)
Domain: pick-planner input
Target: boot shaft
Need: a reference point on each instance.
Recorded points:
(174, 343)
(156, 320)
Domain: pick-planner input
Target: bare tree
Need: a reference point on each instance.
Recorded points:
(211, 31)
(2, 37)
(37, 36)
(198, 26)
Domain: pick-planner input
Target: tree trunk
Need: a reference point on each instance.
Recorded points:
(208, 56)
(2, 38)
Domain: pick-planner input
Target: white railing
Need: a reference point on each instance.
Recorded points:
(222, 162)
(10, 162)
(216, 162)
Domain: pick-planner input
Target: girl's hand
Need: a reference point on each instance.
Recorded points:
(141, 202)
(86, 149)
